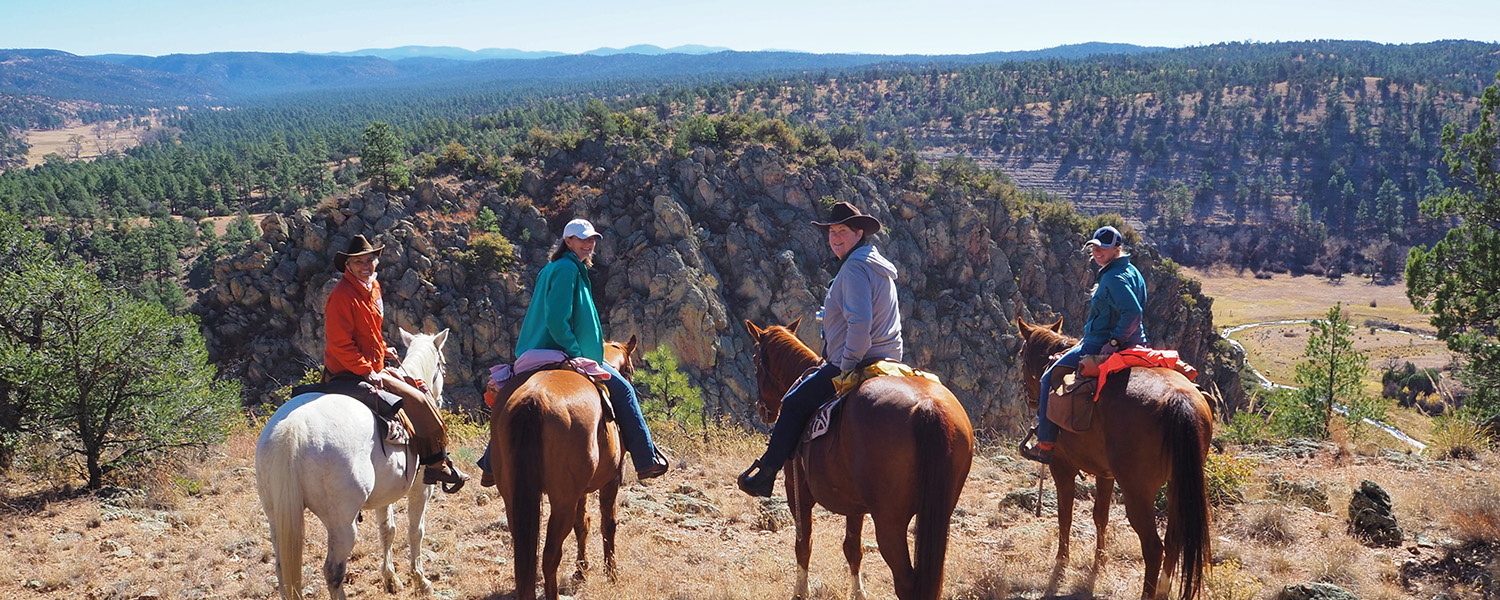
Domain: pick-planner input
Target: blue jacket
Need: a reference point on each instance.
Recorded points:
(1117, 305)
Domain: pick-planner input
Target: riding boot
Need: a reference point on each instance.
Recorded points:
(440, 469)
(758, 483)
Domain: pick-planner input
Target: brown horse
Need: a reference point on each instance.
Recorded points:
(550, 437)
(901, 448)
(1152, 426)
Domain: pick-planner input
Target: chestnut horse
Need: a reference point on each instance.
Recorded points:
(1152, 426)
(900, 448)
(550, 437)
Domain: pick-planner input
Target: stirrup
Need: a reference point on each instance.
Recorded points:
(1037, 453)
(445, 473)
(749, 481)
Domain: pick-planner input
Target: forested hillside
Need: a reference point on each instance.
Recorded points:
(1308, 156)
(1303, 156)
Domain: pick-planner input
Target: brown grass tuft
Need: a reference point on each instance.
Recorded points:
(1476, 513)
(1271, 523)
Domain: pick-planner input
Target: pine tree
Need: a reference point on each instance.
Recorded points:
(1457, 278)
(665, 390)
(1334, 371)
(382, 157)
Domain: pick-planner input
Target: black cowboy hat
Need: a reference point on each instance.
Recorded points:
(844, 213)
(359, 246)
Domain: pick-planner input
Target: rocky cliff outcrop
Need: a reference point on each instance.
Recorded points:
(692, 247)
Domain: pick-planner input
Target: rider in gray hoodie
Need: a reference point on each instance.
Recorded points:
(861, 324)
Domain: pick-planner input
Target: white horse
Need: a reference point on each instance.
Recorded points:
(321, 452)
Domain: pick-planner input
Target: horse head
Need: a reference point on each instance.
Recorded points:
(424, 359)
(779, 360)
(1038, 344)
(618, 355)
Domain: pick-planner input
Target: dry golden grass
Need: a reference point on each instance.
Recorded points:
(44, 142)
(197, 531)
(1240, 298)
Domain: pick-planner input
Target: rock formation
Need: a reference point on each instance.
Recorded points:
(692, 246)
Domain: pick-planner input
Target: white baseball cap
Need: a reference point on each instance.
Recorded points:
(1105, 237)
(581, 229)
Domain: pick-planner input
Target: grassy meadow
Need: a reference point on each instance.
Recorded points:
(198, 532)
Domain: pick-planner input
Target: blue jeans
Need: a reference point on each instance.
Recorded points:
(633, 432)
(796, 408)
(1046, 430)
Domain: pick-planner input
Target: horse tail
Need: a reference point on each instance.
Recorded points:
(938, 486)
(526, 496)
(280, 489)
(1187, 432)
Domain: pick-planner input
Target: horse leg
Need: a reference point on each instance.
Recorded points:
(416, 527)
(1064, 478)
(385, 523)
(854, 552)
(341, 536)
(581, 534)
(799, 499)
(1104, 494)
(890, 535)
(564, 516)
(607, 508)
(1140, 509)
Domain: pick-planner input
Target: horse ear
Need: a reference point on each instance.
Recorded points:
(1056, 327)
(793, 327)
(440, 339)
(630, 345)
(754, 331)
(1023, 326)
(406, 337)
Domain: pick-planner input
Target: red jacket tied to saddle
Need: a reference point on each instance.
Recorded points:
(354, 316)
(1141, 356)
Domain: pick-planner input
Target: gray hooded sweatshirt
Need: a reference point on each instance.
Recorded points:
(860, 317)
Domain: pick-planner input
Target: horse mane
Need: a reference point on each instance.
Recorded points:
(780, 342)
(422, 360)
(1047, 342)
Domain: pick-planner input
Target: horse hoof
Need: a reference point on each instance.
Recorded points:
(424, 587)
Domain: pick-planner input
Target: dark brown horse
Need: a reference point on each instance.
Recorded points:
(550, 437)
(1151, 426)
(901, 448)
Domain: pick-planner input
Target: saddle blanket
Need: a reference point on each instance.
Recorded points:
(535, 359)
(396, 431)
(1135, 356)
(849, 381)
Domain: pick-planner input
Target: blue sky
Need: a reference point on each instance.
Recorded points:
(878, 26)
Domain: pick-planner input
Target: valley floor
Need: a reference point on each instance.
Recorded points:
(201, 534)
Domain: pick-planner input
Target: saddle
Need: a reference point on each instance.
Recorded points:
(503, 388)
(1071, 403)
(849, 381)
(391, 423)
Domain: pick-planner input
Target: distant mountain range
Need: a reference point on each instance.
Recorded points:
(454, 53)
(226, 77)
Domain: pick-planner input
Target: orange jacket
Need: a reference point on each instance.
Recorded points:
(352, 320)
(1141, 356)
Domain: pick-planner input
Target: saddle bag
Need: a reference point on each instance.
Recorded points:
(1071, 403)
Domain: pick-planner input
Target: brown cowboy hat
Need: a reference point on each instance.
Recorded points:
(844, 213)
(359, 246)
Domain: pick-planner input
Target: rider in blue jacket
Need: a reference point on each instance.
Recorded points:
(1114, 321)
